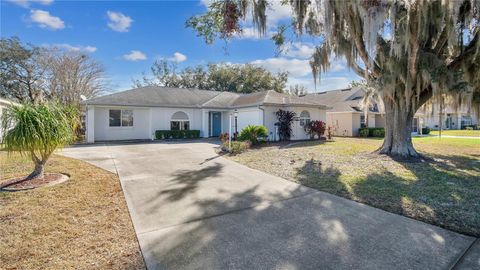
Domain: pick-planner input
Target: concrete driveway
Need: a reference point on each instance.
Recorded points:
(195, 210)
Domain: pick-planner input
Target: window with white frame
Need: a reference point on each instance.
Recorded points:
(304, 118)
(121, 118)
(179, 121)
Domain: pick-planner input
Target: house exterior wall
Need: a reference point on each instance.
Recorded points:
(103, 132)
(298, 133)
(342, 123)
(161, 117)
(146, 120)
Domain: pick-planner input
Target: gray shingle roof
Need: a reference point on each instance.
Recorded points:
(181, 97)
(342, 100)
(156, 96)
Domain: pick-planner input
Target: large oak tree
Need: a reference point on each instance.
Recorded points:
(410, 52)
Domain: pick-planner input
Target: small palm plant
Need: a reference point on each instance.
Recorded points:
(253, 133)
(37, 130)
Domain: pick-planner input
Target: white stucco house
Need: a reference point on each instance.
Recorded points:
(137, 113)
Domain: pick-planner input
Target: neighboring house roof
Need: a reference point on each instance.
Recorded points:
(181, 97)
(342, 100)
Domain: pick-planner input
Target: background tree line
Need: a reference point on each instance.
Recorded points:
(32, 74)
(238, 78)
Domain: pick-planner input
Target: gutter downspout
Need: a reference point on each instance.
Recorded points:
(263, 114)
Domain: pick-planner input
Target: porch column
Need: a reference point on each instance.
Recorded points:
(205, 119)
(90, 124)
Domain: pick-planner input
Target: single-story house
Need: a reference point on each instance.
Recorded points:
(345, 114)
(138, 113)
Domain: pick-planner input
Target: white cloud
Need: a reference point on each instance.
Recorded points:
(298, 49)
(252, 33)
(178, 57)
(294, 67)
(118, 21)
(277, 12)
(27, 3)
(135, 56)
(74, 48)
(45, 20)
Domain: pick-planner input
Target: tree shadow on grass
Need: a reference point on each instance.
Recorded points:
(444, 191)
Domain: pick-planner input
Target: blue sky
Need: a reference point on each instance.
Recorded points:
(128, 36)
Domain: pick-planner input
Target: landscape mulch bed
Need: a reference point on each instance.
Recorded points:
(20, 183)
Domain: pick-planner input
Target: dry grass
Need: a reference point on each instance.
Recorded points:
(82, 223)
(443, 191)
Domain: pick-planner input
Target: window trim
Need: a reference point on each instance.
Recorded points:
(121, 118)
(181, 121)
(303, 119)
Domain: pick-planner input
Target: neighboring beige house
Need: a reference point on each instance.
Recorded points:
(346, 115)
(453, 118)
(4, 104)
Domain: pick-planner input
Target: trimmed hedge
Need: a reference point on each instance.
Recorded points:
(425, 130)
(371, 132)
(176, 134)
(363, 132)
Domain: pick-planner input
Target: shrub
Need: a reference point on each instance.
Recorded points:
(237, 146)
(254, 134)
(363, 132)
(176, 134)
(315, 127)
(426, 130)
(285, 119)
(377, 132)
(469, 128)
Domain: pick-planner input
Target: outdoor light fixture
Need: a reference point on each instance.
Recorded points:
(235, 113)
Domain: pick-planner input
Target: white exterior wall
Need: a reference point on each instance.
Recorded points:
(146, 120)
(371, 120)
(103, 131)
(161, 118)
(298, 133)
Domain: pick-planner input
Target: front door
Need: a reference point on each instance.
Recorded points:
(216, 120)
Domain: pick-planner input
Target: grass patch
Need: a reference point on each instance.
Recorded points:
(82, 223)
(462, 133)
(443, 191)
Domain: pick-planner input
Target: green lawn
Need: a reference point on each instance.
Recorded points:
(463, 133)
(444, 191)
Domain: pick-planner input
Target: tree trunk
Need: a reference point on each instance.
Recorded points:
(398, 131)
(38, 172)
